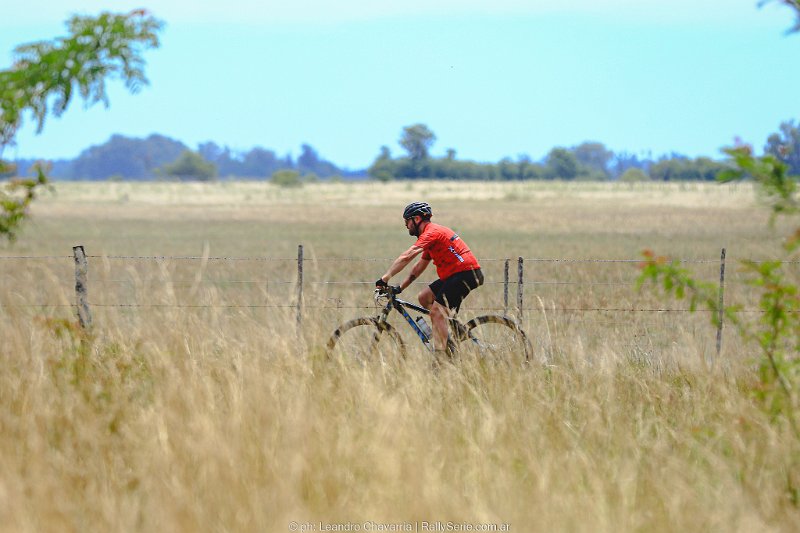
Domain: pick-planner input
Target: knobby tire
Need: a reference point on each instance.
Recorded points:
(383, 335)
(516, 336)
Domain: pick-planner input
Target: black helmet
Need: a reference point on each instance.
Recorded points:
(421, 209)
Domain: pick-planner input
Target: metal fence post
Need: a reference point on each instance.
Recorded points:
(505, 288)
(519, 287)
(81, 287)
(299, 287)
(721, 309)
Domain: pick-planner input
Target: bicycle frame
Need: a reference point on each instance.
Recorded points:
(400, 306)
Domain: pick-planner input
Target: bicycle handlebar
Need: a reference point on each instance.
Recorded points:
(393, 301)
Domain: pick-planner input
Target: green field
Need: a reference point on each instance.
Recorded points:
(198, 405)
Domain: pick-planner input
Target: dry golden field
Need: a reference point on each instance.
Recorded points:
(196, 404)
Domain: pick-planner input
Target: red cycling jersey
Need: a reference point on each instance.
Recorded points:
(450, 254)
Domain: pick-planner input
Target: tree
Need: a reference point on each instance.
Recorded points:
(226, 163)
(633, 175)
(286, 178)
(191, 166)
(528, 170)
(383, 168)
(785, 146)
(309, 162)
(507, 169)
(594, 156)
(260, 163)
(681, 168)
(211, 151)
(667, 169)
(562, 164)
(417, 139)
(127, 157)
(46, 74)
(624, 160)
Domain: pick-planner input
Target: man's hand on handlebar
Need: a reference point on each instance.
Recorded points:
(384, 288)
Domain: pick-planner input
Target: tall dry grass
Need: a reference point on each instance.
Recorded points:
(218, 418)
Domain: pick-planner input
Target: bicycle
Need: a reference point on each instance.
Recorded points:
(373, 337)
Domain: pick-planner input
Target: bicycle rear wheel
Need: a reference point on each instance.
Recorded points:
(497, 337)
(366, 340)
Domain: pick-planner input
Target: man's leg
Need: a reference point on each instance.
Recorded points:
(439, 315)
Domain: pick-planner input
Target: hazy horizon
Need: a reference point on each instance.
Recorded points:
(492, 81)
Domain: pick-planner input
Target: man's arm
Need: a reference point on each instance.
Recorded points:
(401, 262)
(418, 269)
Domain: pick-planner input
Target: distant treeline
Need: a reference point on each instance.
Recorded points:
(587, 161)
(156, 156)
(159, 157)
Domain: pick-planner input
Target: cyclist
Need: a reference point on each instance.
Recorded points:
(458, 270)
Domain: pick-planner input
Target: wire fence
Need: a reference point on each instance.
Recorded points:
(568, 294)
(514, 284)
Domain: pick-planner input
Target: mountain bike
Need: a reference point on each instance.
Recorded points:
(373, 338)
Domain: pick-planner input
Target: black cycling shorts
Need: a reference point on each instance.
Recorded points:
(451, 292)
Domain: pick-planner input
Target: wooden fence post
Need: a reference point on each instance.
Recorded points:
(505, 288)
(299, 288)
(519, 287)
(721, 310)
(81, 287)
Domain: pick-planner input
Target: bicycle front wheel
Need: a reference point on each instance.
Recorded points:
(497, 337)
(366, 340)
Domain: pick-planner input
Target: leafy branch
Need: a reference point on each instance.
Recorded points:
(106, 46)
(97, 48)
(794, 4)
(776, 331)
(15, 199)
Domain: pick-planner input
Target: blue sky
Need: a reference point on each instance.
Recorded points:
(491, 79)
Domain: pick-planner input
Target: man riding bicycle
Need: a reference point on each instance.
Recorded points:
(458, 270)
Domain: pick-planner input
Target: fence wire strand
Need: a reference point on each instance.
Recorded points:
(509, 282)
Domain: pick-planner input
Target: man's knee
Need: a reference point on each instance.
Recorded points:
(426, 298)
